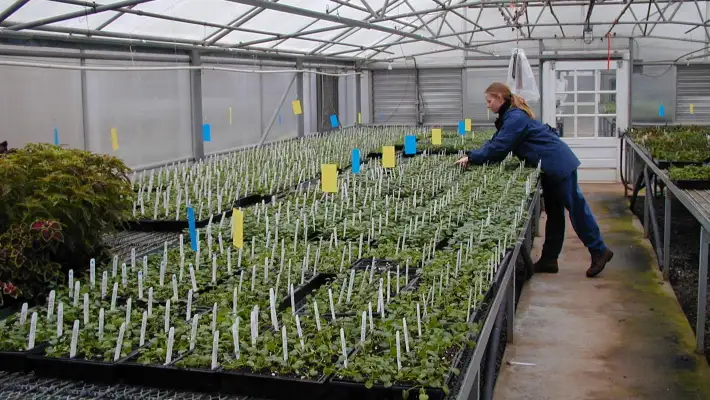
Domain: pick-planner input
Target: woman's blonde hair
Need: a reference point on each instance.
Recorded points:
(502, 90)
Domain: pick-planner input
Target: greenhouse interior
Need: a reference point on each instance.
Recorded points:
(384, 215)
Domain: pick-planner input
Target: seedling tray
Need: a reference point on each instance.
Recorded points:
(74, 369)
(17, 361)
(150, 225)
(692, 184)
(302, 291)
(168, 376)
(271, 387)
(665, 164)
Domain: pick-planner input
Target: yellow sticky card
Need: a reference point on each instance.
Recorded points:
(388, 160)
(230, 115)
(238, 228)
(359, 118)
(468, 124)
(692, 108)
(114, 139)
(296, 105)
(436, 136)
(329, 178)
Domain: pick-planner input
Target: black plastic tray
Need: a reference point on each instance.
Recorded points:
(693, 185)
(168, 376)
(149, 225)
(271, 387)
(74, 369)
(16, 361)
(665, 164)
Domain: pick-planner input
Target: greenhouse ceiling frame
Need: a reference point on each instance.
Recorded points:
(421, 28)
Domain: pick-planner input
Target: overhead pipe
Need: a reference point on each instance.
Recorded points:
(83, 13)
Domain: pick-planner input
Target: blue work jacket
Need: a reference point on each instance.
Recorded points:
(529, 140)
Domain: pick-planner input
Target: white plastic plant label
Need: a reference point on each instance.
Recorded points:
(50, 304)
(74, 339)
(33, 331)
(60, 318)
(119, 342)
(101, 323)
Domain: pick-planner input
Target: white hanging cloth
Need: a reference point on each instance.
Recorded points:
(521, 80)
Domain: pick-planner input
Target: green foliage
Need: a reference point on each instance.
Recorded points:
(55, 206)
(690, 173)
(685, 144)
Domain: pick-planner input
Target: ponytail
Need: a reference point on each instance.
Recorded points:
(520, 103)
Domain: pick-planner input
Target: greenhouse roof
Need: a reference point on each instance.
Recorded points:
(356, 30)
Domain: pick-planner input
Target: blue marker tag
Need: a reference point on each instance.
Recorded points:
(356, 161)
(191, 226)
(462, 127)
(56, 137)
(206, 132)
(661, 111)
(334, 121)
(410, 144)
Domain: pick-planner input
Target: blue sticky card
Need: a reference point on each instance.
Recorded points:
(191, 226)
(334, 121)
(279, 118)
(462, 127)
(356, 161)
(206, 132)
(410, 144)
(661, 111)
(56, 137)
(382, 116)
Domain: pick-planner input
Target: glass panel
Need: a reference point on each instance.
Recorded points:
(608, 80)
(586, 110)
(566, 110)
(585, 81)
(586, 97)
(585, 126)
(607, 103)
(565, 125)
(607, 126)
(565, 81)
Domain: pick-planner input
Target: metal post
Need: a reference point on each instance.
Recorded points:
(198, 145)
(358, 97)
(667, 234)
(476, 391)
(702, 291)
(492, 357)
(511, 303)
(299, 90)
(538, 211)
(276, 111)
(84, 105)
(646, 202)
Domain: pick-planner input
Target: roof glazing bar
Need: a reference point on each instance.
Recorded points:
(91, 10)
(214, 37)
(11, 9)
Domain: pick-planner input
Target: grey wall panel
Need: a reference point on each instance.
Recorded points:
(653, 86)
(693, 88)
(441, 91)
(310, 110)
(222, 91)
(273, 87)
(477, 81)
(347, 94)
(149, 109)
(394, 97)
(366, 96)
(35, 101)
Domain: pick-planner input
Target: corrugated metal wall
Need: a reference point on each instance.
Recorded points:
(442, 95)
(394, 97)
(477, 81)
(693, 88)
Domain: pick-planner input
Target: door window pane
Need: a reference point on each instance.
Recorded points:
(586, 97)
(585, 127)
(565, 125)
(585, 81)
(565, 81)
(586, 110)
(566, 109)
(608, 80)
(607, 126)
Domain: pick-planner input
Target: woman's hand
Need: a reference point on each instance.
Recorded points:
(463, 161)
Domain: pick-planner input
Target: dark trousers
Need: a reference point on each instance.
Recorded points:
(559, 196)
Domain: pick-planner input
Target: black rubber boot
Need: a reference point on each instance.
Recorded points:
(546, 266)
(599, 261)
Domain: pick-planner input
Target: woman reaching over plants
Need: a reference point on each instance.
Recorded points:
(535, 143)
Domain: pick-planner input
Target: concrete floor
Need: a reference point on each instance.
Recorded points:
(621, 335)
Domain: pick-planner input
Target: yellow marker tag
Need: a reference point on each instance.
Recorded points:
(436, 136)
(114, 139)
(238, 228)
(329, 178)
(692, 108)
(468, 124)
(230, 115)
(359, 118)
(296, 105)
(388, 157)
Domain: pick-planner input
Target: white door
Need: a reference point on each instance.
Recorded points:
(588, 103)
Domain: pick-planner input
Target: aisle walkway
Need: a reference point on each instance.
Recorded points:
(619, 336)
